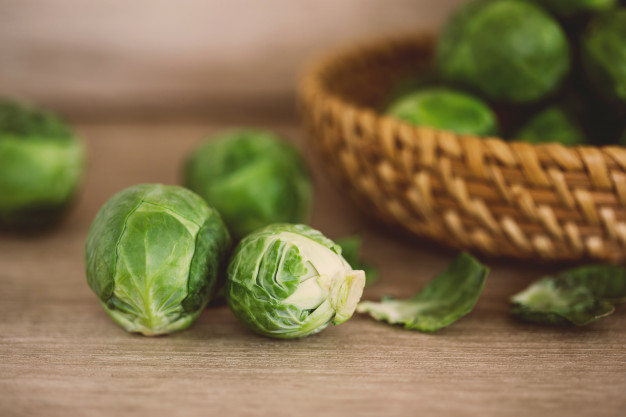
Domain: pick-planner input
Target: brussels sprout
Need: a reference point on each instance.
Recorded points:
(41, 165)
(567, 9)
(289, 281)
(508, 50)
(153, 255)
(552, 125)
(447, 109)
(252, 177)
(604, 56)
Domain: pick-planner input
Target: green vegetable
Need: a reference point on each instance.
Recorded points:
(289, 281)
(153, 256)
(41, 166)
(552, 125)
(604, 56)
(443, 108)
(579, 296)
(507, 50)
(567, 9)
(351, 252)
(447, 298)
(252, 177)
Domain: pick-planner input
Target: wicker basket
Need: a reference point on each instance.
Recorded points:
(501, 198)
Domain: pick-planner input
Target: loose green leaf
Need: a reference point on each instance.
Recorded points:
(605, 282)
(579, 296)
(351, 252)
(450, 296)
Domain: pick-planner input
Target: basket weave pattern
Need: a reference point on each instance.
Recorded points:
(502, 198)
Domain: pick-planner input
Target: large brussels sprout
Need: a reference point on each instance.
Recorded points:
(41, 166)
(552, 125)
(443, 108)
(289, 281)
(567, 9)
(508, 50)
(252, 177)
(153, 256)
(604, 56)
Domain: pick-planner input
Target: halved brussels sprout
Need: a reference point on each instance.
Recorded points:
(507, 50)
(252, 177)
(288, 281)
(41, 166)
(153, 255)
(443, 108)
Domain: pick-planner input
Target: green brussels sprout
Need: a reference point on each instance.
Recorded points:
(288, 281)
(41, 166)
(604, 56)
(447, 109)
(552, 125)
(507, 50)
(252, 177)
(567, 9)
(153, 256)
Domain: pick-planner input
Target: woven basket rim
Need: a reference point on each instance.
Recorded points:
(310, 77)
(501, 197)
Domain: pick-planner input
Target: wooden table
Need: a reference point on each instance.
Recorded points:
(61, 355)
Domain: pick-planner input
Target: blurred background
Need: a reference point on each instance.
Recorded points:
(117, 60)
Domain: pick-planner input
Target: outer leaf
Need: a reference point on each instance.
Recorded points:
(550, 301)
(579, 296)
(450, 296)
(605, 282)
(351, 252)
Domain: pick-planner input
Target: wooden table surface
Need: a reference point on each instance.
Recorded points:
(61, 355)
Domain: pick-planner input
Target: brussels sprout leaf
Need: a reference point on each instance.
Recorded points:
(351, 252)
(579, 296)
(450, 296)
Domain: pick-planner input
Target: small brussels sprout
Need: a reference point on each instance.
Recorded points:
(41, 166)
(447, 109)
(153, 256)
(252, 177)
(507, 50)
(552, 125)
(604, 56)
(567, 9)
(288, 281)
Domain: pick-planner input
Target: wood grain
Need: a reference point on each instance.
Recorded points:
(60, 354)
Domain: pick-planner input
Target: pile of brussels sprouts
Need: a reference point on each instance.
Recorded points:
(534, 70)
(156, 255)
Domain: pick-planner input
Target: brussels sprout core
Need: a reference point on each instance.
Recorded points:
(290, 281)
